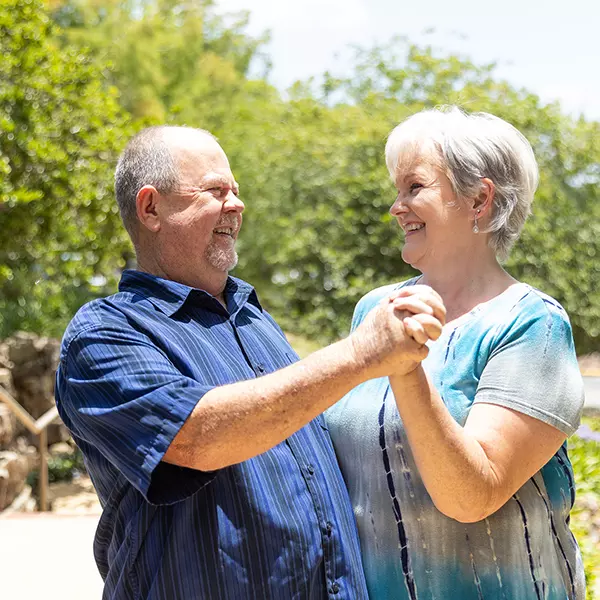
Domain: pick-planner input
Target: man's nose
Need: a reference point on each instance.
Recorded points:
(233, 203)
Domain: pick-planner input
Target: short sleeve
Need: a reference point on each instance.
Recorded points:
(532, 367)
(122, 395)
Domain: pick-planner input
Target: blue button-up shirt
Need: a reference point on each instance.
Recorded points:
(133, 366)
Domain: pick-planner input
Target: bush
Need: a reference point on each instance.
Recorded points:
(584, 452)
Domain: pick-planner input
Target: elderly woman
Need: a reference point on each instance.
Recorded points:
(458, 471)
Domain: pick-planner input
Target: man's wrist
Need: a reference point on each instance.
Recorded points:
(357, 363)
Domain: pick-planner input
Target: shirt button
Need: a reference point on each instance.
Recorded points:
(310, 470)
(328, 528)
(335, 588)
(260, 368)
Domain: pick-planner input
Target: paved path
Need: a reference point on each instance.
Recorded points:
(592, 392)
(48, 557)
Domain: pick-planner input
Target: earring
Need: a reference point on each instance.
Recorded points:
(475, 226)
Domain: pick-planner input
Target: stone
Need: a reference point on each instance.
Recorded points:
(61, 448)
(8, 427)
(33, 361)
(14, 469)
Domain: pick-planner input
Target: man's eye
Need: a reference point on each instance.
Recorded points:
(216, 190)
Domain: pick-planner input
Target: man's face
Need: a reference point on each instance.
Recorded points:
(201, 219)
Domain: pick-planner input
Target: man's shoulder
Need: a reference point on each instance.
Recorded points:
(100, 313)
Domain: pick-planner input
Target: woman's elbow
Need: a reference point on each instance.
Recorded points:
(469, 512)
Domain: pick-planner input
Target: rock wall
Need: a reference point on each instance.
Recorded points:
(27, 369)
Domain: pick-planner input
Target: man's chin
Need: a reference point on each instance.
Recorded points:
(223, 261)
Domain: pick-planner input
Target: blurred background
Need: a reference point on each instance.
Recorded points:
(301, 96)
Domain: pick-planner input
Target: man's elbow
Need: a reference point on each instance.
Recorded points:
(196, 457)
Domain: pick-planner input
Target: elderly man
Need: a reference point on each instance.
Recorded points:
(201, 431)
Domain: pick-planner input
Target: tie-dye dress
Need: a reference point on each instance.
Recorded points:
(516, 351)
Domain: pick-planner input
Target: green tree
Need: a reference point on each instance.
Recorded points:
(173, 61)
(60, 130)
(322, 192)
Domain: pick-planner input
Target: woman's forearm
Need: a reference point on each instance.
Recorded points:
(453, 465)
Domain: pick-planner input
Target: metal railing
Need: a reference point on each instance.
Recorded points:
(37, 427)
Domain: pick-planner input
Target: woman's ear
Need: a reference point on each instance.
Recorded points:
(146, 203)
(483, 202)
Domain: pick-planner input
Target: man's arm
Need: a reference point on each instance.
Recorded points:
(235, 422)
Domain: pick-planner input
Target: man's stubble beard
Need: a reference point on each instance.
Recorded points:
(221, 259)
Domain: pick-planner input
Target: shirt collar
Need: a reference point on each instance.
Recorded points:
(169, 296)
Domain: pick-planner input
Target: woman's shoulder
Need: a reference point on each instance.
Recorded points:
(527, 302)
(523, 310)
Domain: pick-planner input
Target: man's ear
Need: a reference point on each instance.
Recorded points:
(146, 203)
(483, 202)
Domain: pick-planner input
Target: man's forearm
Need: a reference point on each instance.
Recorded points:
(235, 422)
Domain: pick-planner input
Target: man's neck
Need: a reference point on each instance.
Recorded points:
(209, 280)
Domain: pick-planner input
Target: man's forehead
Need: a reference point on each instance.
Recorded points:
(219, 176)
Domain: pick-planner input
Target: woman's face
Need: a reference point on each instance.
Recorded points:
(435, 223)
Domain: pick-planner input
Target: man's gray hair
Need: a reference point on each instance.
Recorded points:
(471, 147)
(147, 160)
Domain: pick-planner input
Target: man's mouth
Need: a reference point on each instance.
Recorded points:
(224, 231)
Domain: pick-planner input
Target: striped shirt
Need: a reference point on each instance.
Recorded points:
(280, 525)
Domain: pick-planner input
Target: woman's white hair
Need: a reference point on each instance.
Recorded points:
(471, 147)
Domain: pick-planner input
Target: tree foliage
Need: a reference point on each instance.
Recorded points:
(60, 128)
(317, 233)
(324, 229)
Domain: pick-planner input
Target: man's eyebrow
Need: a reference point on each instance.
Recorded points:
(216, 180)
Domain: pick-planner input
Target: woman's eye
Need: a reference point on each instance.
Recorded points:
(415, 186)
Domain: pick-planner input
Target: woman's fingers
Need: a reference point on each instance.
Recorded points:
(415, 330)
(431, 326)
(402, 299)
(416, 305)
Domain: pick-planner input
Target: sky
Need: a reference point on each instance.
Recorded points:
(550, 47)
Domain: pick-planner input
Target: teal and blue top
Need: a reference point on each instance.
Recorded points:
(515, 350)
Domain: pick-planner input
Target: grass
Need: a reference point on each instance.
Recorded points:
(301, 345)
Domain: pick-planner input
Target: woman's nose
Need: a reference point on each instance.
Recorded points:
(399, 207)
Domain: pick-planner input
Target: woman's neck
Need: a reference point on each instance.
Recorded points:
(465, 284)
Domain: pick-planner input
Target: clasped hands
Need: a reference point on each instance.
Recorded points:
(392, 338)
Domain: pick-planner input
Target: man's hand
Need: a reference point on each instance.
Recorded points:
(391, 339)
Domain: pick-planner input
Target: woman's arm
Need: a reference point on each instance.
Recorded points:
(470, 471)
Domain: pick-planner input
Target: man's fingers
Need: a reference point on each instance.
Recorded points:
(431, 326)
